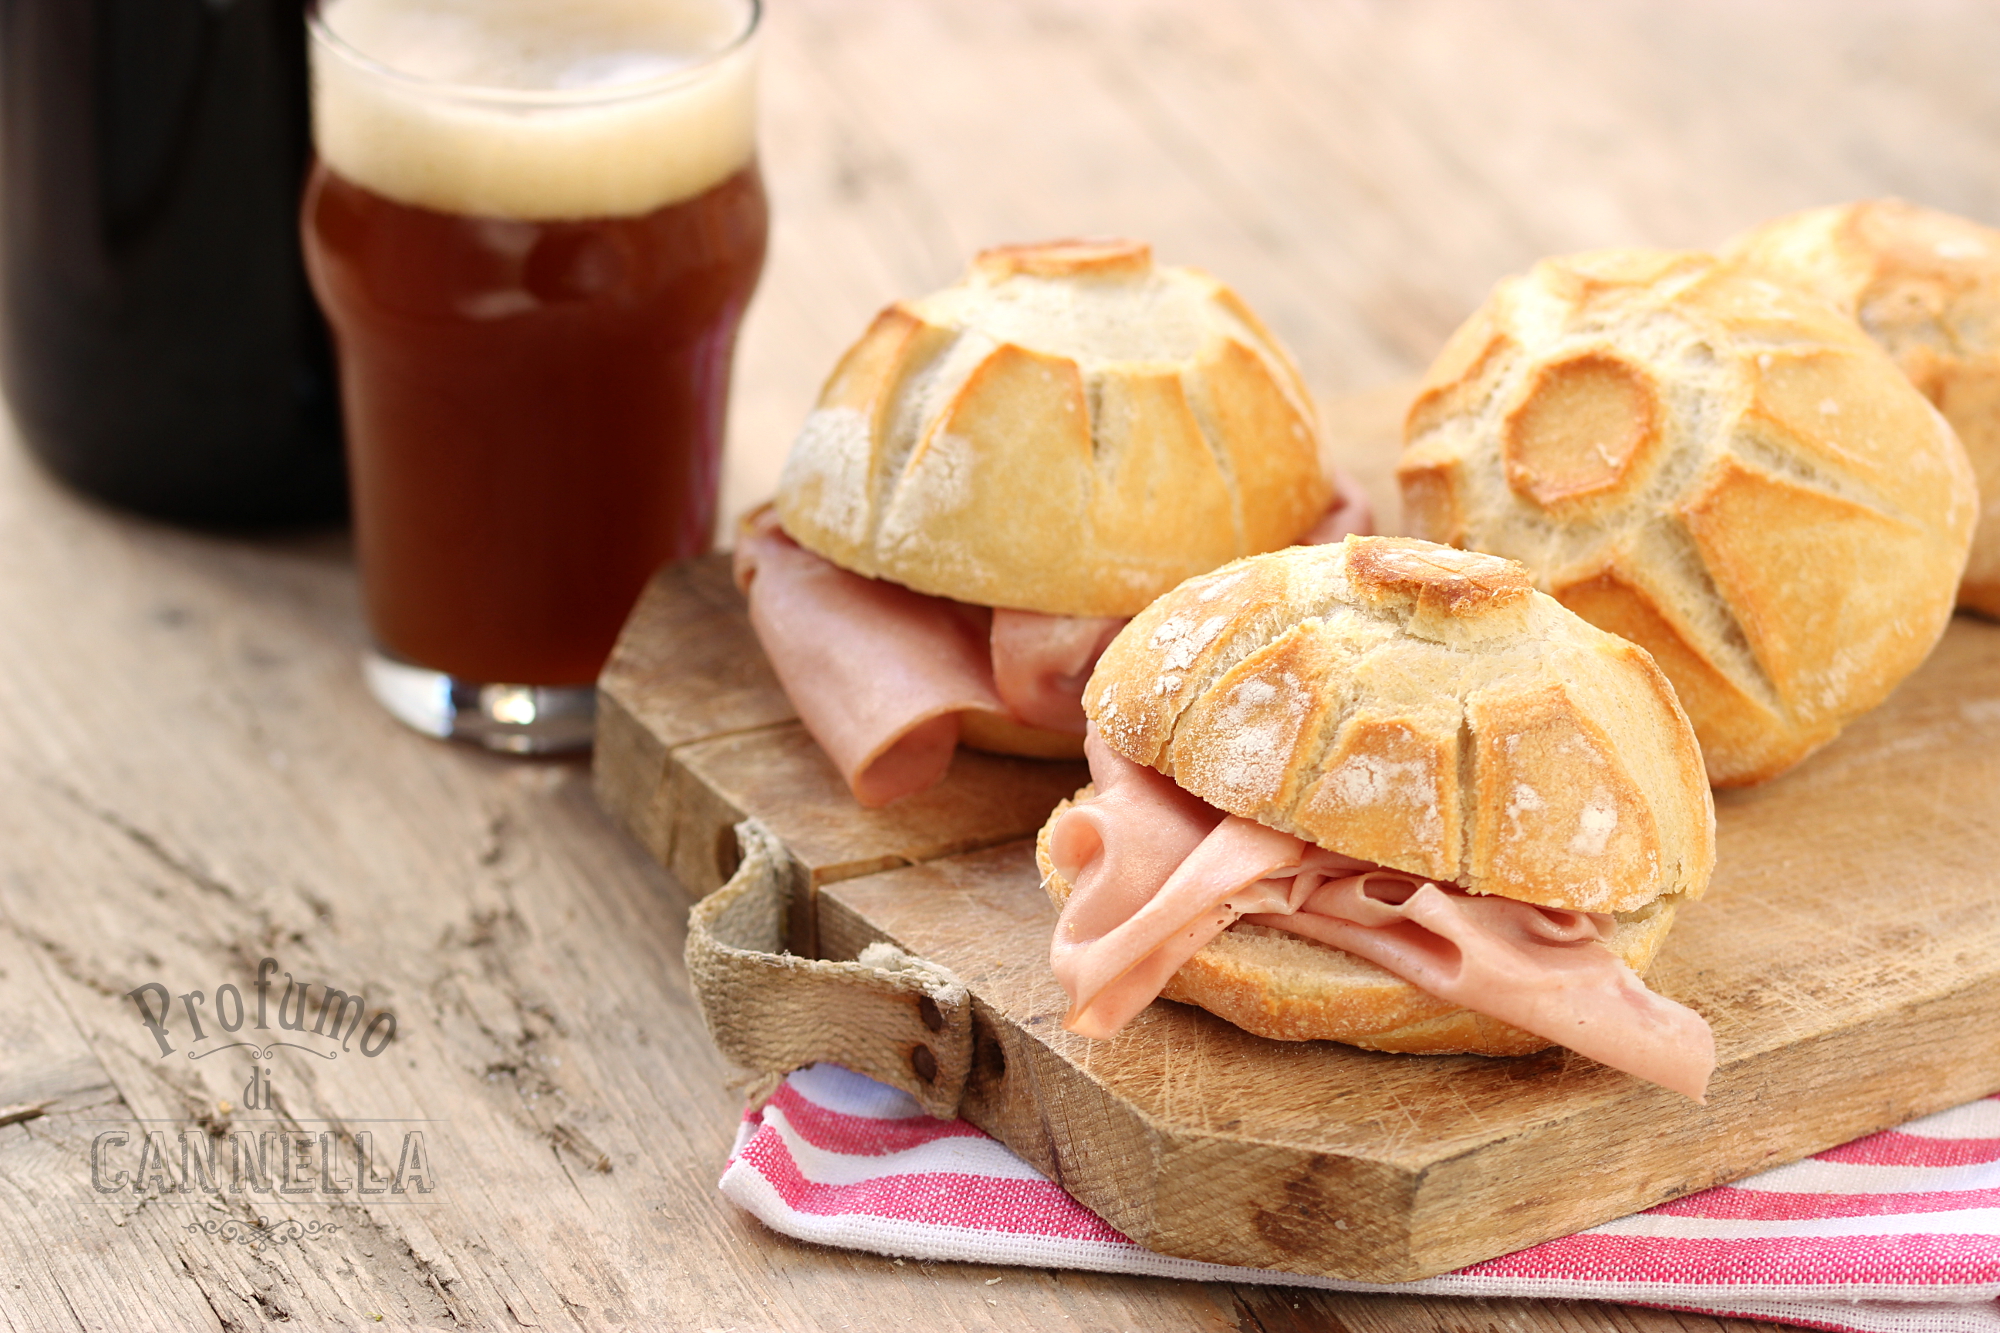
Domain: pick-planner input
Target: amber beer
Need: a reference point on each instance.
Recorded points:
(518, 474)
(534, 292)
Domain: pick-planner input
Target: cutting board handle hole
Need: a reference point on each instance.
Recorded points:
(991, 1057)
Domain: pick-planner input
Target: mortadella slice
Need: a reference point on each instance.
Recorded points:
(878, 673)
(1041, 664)
(1141, 854)
(1541, 969)
(1143, 902)
(1240, 866)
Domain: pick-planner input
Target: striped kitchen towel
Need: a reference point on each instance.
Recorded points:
(1893, 1233)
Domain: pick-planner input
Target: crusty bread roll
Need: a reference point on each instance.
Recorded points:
(1422, 708)
(1289, 988)
(1425, 709)
(1069, 429)
(1926, 286)
(1717, 467)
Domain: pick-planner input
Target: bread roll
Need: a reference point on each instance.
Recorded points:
(1717, 467)
(1926, 286)
(1288, 988)
(1068, 429)
(1422, 708)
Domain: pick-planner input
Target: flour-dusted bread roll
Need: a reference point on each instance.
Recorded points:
(1069, 430)
(1715, 466)
(1523, 784)
(1422, 708)
(1926, 286)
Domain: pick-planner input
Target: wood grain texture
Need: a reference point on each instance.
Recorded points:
(191, 777)
(682, 755)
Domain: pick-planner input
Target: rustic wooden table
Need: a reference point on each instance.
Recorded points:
(192, 779)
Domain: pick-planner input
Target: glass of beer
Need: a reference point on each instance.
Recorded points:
(533, 227)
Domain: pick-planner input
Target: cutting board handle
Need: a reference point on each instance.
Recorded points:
(891, 1016)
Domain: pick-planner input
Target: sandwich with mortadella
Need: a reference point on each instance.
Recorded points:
(1385, 793)
(1000, 474)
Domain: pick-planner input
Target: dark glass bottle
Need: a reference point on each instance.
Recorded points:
(159, 344)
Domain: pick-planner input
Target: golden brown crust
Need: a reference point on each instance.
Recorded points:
(1437, 580)
(1068, 430)
(1113, 257)
(1289, 988)
(1416, 752)
(1424, 708)
(1720, 468)
(1716, 706)
(1584, 429)
(1926, 286)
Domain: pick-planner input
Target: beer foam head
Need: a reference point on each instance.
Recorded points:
(535, 109)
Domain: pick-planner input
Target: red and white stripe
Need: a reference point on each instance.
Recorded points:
(1898, 1232)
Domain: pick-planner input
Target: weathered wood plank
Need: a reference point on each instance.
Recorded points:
(681, 789)
(46, 1209)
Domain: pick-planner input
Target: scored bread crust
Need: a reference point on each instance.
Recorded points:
(1926, 286)
(1290, 988)
(1713, 465)
(1069, 429)
(1423, 708)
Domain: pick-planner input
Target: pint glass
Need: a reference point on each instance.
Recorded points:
(533, 227)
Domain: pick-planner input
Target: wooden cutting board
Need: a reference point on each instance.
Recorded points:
(1847, 955)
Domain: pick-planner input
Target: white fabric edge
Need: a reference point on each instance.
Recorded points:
(1813, 1177)
(985, 1157)
(1670, 1226)
(840, 1089)
(1974, 1120)
(1864, 1316)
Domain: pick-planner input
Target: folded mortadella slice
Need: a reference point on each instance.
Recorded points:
(1041, 664)
(879, 673)
(1143, 901)
(1118, 847)
(1541, 969)
(1143, 858)
(1240, 866)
